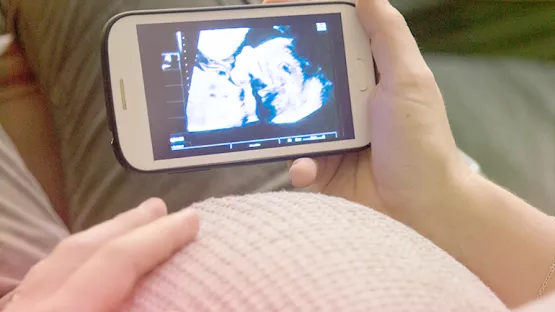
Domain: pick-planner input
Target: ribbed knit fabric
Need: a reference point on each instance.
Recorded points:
(267, 252)
(307, 252)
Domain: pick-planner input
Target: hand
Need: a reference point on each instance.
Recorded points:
(415, 174)
(414, 161)
(96, 270)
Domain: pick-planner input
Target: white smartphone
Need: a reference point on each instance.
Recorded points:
(199, 88)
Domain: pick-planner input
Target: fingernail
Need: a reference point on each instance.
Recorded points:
(189, 217)
(187, 212)
(154, 204)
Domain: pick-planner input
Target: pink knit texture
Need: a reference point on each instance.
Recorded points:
(306, 252)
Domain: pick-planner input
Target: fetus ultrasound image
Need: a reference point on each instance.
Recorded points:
(225, 86)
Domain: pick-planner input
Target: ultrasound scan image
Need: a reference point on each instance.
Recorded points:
(245, 76)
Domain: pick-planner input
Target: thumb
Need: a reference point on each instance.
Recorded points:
(314, 173)
(394, 48)
(303, 172)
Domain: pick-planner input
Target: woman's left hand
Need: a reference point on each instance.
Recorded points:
(96, 270)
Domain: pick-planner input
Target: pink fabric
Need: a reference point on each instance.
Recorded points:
(546, 304)
(307, 252)
(269, 252)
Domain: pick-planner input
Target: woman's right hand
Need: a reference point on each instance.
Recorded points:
(96, 270)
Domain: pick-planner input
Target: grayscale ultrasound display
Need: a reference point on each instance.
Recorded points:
(235, 85)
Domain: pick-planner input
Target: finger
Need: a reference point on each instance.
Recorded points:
(109, 277)
(394, 48)
(147, 212)
(303, 172)
(314, 173)
(48, 275)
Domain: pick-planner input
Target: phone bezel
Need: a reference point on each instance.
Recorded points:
(132, 154)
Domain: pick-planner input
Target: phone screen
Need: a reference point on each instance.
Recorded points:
(234, 85)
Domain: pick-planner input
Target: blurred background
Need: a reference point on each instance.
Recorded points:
(495, 64)
(498, 28)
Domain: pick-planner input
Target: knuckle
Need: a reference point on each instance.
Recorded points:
(75, 244)
(427, 78)
(417, 79)
(155, 201)
(115, 251)
(416, 84)
(119, 255)
(57, 303)
(34, 273)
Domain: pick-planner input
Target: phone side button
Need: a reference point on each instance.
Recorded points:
(361, 75)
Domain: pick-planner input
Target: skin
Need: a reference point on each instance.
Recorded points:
(413, 173)
(103, 264)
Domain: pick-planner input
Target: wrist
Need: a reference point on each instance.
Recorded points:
(507, 243)
(513, 245)
(449, 209)
(447, 199)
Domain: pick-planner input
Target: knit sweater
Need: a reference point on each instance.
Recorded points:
(308, 252)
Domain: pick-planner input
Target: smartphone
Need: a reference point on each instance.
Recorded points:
(199, 88)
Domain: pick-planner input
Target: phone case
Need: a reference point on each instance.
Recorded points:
(108, 84)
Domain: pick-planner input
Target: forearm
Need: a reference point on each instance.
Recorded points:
(25, 116)
(509, 244)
